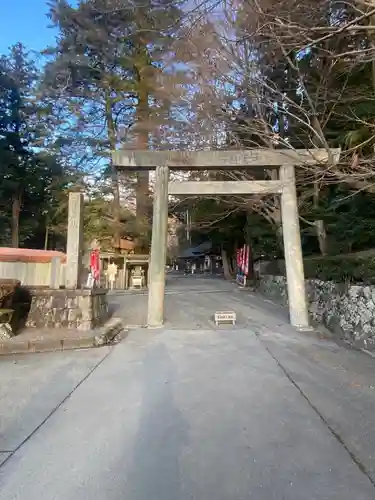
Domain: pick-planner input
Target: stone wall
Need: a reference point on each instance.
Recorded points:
(347, 310)
(76, 309)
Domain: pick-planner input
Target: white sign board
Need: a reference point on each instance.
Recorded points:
(225, 317)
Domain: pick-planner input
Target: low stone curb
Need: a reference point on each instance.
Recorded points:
(112, 332)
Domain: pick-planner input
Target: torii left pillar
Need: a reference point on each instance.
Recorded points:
(156, 288)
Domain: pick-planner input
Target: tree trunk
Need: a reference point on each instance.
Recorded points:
(233, 265)
(142, 186)
(319, 224)
(280, 236)
(46, 237)
(233, 260)
(372, 39)
(322, 237)
(249, 243)
(227, 274)
(111, 129)
(16, 209)
(277, 216)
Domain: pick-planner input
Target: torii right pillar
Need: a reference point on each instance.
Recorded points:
(298, 311)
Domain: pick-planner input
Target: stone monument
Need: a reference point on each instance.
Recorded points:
(74, 250)
(74, 307)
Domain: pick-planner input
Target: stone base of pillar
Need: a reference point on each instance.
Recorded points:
(155, 327)
(71, 309)
(305, 329)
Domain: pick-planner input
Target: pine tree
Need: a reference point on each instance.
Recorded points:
(22, 130)
(108, 67)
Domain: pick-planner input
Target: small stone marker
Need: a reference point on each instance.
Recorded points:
(225, 317)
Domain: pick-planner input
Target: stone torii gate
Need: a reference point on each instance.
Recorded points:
(285, 186)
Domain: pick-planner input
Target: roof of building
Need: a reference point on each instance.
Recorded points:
(29, 255)
(197, 251)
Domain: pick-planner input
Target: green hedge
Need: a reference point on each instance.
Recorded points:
(355, 268)
(341, 269)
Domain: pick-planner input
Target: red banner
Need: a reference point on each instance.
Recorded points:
(243, 259)
(247, 255)
(95, 264)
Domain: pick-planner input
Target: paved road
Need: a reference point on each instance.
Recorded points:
(198, 412)
(33, 386)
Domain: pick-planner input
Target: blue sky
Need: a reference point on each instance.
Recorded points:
(24, 21)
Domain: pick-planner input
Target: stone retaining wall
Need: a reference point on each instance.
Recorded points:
(348, 310)
(76, 309)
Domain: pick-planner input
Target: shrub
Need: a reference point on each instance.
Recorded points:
(355, 268)
(341, 269)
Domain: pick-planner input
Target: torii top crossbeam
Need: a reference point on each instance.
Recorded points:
(196, 160)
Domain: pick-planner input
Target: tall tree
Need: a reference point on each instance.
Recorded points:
(22, 131)
(107, 65)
